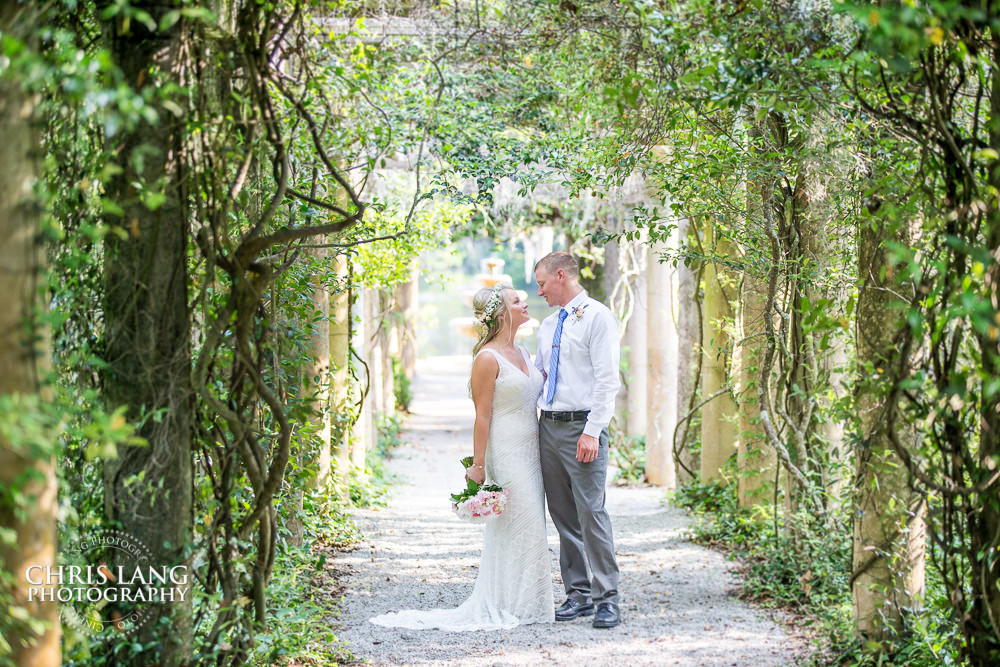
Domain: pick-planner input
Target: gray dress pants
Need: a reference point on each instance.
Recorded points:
(575, 495)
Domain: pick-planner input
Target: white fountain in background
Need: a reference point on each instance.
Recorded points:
(490, 275)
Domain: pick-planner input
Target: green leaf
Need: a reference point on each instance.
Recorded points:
(145, 19)
(169, 20)
(153, 200)
(109, 206)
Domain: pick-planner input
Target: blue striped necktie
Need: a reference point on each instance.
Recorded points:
(554, 359)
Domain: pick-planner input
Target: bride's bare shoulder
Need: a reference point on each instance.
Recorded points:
(485, 363)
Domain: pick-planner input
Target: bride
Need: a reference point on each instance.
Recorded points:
(514, 586)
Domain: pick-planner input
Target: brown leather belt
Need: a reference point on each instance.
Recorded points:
(577, 416)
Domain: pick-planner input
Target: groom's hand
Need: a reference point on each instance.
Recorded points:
(586, 448)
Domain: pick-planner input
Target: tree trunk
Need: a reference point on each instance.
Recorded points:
(720, 416)
(661, 405)
(889, 535)
(23, 354)
(148, 332)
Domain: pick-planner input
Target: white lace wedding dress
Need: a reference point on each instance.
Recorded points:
(514, 586)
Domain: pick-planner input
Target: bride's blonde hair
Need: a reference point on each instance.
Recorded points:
(491, 309)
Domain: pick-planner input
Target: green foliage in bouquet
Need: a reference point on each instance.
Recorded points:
(471, 487)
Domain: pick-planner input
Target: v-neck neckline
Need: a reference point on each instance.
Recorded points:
(504, 357)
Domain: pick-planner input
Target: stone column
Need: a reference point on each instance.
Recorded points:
(388, 343)
(361, 432)
(890, 535)
(635, 341)
(316, 380)
(341, 407)
(544, 240)
(407, 302)
(373, 356)
(720, 416)
(661, 387)
(687, 339)
(25, 470)
(612, 277)
(756, 459)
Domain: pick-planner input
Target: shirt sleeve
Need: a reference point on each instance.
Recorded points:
(604, 355)
(539, 362)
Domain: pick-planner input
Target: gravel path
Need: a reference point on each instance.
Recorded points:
(678, 606)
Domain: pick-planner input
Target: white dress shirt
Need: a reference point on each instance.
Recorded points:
(588, 361)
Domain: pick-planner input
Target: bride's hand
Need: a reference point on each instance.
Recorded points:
(476, 473)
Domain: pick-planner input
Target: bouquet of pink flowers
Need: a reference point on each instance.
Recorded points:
(478, 502)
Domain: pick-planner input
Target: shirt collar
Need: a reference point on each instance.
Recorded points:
(576, 301)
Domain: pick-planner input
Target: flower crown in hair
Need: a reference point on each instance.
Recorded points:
(489, 310)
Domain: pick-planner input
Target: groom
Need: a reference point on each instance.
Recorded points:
(578, 354)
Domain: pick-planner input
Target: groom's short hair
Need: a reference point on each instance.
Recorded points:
(560, 259)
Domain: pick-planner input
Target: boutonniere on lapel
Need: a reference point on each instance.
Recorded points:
(578, 312)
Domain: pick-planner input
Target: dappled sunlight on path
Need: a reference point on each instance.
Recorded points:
(678, 606)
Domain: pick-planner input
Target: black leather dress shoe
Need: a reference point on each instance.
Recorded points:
(607, 615)
(571, 608)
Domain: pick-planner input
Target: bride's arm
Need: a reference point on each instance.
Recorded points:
(484, 378)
